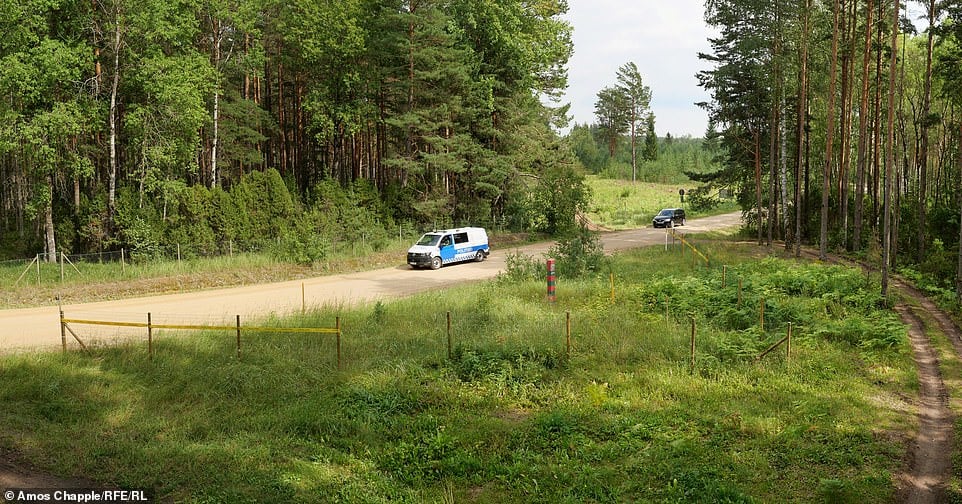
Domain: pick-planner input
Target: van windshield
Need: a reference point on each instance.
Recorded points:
(666, 212)
(429, 240)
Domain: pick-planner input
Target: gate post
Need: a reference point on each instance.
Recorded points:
(551, 281)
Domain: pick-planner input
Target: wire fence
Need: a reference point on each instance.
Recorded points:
(415, 333)
(385, 336)
(43, 269)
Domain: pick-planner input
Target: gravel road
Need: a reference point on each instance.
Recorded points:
(36, 328)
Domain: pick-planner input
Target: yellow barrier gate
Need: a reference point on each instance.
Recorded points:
(689, 244)
(150, 326)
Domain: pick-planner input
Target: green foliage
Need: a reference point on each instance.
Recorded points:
(869, 332)
(700, 198)
(436, 106)
(561, 195)
(579, 254)
(520, 267)
(259, 213)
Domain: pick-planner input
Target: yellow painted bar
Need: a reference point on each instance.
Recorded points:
(203, 327)
(692, 247)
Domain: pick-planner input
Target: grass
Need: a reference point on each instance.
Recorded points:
(91, 281)
(510, 417)
(621, 204)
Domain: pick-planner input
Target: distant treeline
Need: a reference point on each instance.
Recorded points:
(144, 123)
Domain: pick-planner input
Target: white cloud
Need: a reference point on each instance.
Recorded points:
(662, 37)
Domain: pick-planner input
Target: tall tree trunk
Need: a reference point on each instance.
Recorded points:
(98, 74)
(757, 146)
(114, 88)
(634, 120)
(958, 271)
(215, 137)
(800, 130)
(775, 130)
(877, 120)
(890, 154)
(830, 133)
(51, 242)
(862, 159)
(923, 159)
(773, 175)
(783, 170)
(846, 116)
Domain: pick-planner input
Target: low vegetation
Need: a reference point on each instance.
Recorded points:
(510, 415)
(620, 204)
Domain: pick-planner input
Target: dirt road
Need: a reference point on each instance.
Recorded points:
(23, 329)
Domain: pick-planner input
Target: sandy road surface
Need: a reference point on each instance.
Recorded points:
(22, 329)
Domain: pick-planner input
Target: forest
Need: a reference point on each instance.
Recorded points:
(258, 124)
(841, 126)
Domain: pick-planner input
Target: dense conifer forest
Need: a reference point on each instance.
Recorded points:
(247, 123)
(262, 124)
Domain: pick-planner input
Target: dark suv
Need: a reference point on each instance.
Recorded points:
(669, 217)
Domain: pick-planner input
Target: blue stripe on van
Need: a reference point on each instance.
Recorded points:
(465, 254)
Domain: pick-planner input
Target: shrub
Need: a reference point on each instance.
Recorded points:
(700, 199)
(519, 268)
(578, 255)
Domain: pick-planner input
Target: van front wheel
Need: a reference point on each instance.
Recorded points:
(435, 263)
(479, 256)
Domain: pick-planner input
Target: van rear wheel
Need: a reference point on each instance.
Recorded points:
(435, 263)
(479, 256)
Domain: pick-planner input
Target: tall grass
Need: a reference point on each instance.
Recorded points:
(621, 204)
(510, 417)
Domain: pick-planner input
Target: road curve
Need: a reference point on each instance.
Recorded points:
(32, 328)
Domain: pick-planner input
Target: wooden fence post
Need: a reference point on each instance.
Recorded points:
(63, 328)
(611, 280)
(788, 346)
(338, 326)
(238, 337)
(150, 338)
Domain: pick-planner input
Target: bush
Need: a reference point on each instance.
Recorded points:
(579, 254)
(519, 268)
(701, 200)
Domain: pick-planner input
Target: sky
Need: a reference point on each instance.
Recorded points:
(662, 37)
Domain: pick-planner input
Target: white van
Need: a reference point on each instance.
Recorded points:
(448, 246)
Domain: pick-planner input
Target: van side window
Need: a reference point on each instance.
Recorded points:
(461, 238)
(445, 241)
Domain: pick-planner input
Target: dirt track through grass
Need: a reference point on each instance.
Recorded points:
(931, 454)
(926, 478)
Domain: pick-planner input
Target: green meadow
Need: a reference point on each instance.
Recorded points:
(622, 204)
(512, 410)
